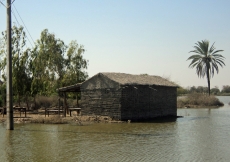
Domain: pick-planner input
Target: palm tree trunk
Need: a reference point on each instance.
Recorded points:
(208, 78)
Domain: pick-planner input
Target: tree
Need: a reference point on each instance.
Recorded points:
(206, 60)
(75, 65)
(193, 89)
(20, 62)
(215, 90)
(181, 91)
(47, 64)
(226, 89)
(41, 70)
(55, 64)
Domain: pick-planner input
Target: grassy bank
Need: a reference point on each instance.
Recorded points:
(197, 100)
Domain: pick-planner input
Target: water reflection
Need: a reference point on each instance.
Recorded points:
(201, 135)
(8, 147)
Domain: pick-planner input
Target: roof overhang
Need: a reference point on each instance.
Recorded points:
(71, 88)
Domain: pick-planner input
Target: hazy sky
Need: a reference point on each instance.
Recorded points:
(134, 36)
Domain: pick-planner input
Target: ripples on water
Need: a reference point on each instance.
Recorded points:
(202, 135)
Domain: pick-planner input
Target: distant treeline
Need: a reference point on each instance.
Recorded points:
(204, 90)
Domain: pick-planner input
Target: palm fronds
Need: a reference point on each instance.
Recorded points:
(206, 60)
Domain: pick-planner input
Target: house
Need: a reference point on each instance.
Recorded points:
(128, 97)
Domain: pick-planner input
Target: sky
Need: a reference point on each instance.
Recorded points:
(133, 36)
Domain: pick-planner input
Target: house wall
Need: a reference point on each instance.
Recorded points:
(100, 96)
(145, 102)
(101, 102)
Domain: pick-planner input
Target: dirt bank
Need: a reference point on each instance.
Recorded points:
(56, 119)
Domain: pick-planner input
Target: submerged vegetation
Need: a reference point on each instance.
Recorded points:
(197, 100)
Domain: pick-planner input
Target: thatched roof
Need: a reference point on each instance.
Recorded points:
(125, 79)
(130, 79)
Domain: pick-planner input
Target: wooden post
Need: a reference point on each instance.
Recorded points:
(59, 106)
(9, 92)
(77, 100)
(65, 104)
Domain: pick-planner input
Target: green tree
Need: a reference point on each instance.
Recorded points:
(181, 91)
(20, 62)
(75, 65)
(215, 90)
(2, 94)
(206, 60)
(47, 64)
(55, 64)
(226, 89)
(193, 89)
(200, 89)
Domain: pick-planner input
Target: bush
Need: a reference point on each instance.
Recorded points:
(52, 101)
(44, 101)
(199, 100)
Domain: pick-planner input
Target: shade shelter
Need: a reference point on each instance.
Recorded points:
(64, 90)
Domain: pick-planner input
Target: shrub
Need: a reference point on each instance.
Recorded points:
(199, 100)
(44, 101)
(182, 101)
(52, 101)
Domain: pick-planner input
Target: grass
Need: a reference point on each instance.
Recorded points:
(198, 100)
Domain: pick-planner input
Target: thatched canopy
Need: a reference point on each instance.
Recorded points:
(71, 88)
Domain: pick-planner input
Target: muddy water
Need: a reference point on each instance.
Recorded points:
(201, 135)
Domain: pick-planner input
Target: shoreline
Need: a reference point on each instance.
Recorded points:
(56, 119)
(78, 120)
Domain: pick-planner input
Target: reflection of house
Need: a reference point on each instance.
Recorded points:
(128, 97)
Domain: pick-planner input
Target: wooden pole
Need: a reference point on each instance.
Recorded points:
(59, 105)
(65, 104)
(9, 94)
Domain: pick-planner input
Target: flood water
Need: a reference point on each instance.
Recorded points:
(201, 135)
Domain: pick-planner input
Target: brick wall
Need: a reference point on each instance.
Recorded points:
(101, 102)
(146, 102)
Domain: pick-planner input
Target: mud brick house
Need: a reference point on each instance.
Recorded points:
(128, 97)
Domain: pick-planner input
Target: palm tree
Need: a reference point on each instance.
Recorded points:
(206, 60)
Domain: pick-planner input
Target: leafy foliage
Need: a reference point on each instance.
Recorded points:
(75, 65)
(181, 91)
(20, 62)
(226, 89)
(51, 64)
(47, 63)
